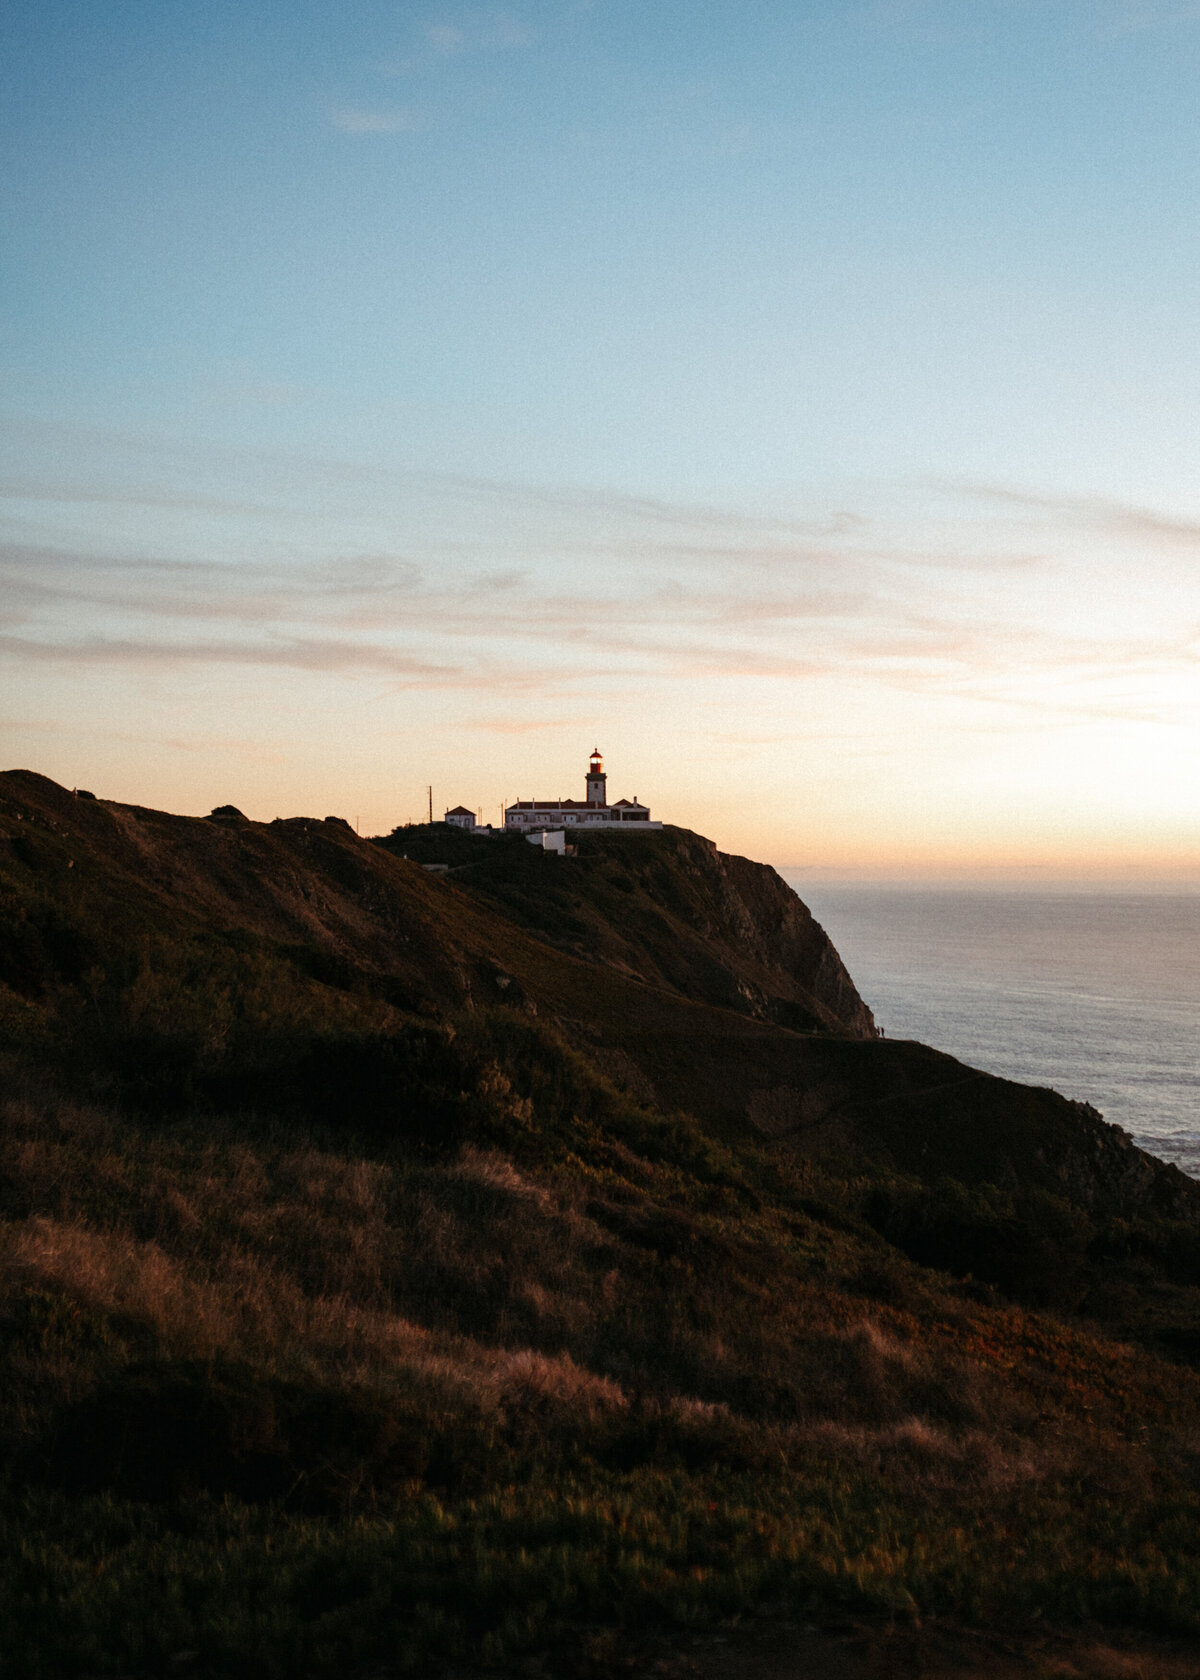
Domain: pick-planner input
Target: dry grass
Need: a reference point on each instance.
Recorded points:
(594, 1385)
(472, 1279)
(292, 1258)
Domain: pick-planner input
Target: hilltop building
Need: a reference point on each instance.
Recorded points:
(460, 817)
(630, 816)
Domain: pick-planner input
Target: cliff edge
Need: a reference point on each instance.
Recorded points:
(668, 908)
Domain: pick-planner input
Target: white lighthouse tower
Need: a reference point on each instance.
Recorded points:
(597, 781)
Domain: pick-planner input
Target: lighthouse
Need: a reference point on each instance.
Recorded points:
(596, 780)
(628, 816)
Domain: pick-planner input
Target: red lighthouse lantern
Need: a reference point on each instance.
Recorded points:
(596, 780)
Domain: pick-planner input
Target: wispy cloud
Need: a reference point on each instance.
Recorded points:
(225, 747)
(479, 31)
(296, 653)
(523, 640)
(357, 120)
(219, 746)
(452, 582)
(455, 36)
(518, 726)
(1097, 513)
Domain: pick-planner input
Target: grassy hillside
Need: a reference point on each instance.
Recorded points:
(668, 908)
(391, 1282)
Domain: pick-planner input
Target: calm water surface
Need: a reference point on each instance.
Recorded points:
(1095, 995)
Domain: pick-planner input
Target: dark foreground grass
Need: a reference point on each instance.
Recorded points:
(105, 1587)
(292, 1402)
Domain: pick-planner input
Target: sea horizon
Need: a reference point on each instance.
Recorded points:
(1094, 993)
(1009, 880)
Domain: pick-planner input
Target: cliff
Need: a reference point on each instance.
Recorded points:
(669, 909)
(443, 1272)
(689, 979)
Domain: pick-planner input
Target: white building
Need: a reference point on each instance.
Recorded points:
(550, 840)
(460, 817)
(628, 816)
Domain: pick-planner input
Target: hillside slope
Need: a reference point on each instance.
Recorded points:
(668, 908)
(405, 1272)
(648, 959)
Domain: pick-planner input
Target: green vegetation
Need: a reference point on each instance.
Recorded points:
(353, 1314)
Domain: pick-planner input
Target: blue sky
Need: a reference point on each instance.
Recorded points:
(406, 393)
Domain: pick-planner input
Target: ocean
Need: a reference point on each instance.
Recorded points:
(1094, 994)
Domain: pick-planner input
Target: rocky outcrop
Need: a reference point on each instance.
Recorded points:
(780, 934)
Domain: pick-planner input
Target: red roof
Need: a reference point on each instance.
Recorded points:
(554, 805)
(460, 811)
(573, 805)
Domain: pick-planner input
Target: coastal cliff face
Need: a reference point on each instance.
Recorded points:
(774, 927)
(674, 911)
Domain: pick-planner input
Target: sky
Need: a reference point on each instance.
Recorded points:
(799, 401)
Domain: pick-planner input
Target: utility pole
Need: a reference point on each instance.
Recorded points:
(431, 803)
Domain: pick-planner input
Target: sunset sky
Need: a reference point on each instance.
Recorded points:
(800, 400)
